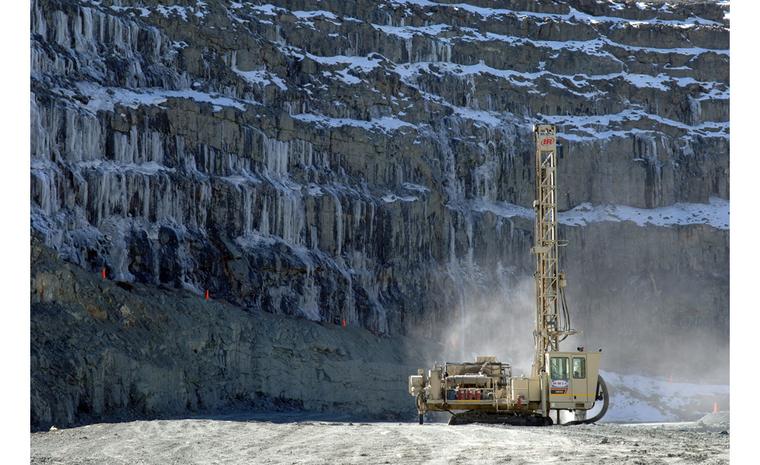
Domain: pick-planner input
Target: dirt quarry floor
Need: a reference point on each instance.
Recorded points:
(274, 440)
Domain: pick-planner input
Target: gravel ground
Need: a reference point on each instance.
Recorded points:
(291, 440)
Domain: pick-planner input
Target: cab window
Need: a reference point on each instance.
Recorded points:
(558, 367)
(579, 368)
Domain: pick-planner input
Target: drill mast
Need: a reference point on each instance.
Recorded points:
(552, 317)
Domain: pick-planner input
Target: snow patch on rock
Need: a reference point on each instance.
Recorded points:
(105, 98)
(385, 123)
(715, 213)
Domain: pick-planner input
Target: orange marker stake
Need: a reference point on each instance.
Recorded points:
(715, 407)
(103, 272)
(343, 323)
(206, 294)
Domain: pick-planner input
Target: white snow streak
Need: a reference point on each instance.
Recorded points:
(715, 213)
(385, 123)
(104, 98)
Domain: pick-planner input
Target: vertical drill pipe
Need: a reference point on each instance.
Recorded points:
(545, 246)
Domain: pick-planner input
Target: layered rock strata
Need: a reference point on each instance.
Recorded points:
(372, 161)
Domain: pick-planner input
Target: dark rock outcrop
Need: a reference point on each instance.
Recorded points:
(115, 351)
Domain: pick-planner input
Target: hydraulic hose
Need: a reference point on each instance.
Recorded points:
(600, 386)
(565, 317)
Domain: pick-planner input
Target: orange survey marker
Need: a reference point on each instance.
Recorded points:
(206, 294)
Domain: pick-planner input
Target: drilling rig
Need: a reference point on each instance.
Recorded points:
(484, 391)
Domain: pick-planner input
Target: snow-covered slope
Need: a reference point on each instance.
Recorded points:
(637, 398)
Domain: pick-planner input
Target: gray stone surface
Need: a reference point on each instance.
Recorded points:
(244, 440)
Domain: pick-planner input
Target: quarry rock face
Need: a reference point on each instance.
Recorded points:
(372, 162)
(105, 350)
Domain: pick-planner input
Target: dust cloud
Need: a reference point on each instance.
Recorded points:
(633, 339)
(497, 323)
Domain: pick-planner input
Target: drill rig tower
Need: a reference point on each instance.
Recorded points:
(552, 316)
(485, 390)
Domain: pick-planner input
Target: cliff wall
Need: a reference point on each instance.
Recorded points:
(371, 161)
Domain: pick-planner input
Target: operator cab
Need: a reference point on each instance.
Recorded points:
(572, 379)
